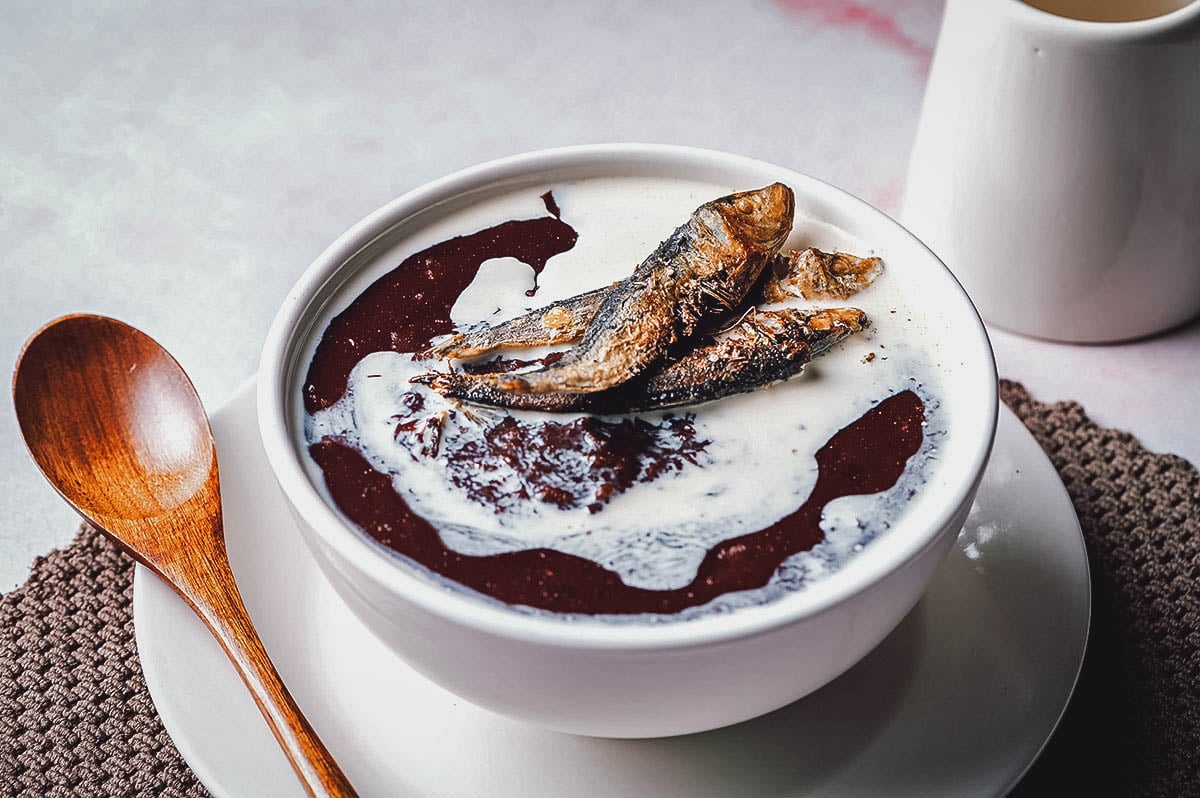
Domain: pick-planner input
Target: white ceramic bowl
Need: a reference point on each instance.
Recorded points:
(636, 680)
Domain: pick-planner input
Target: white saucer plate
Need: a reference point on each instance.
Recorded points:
(959, 700)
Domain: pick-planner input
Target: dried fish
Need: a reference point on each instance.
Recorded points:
(764, 347)
(808, 274)
(813, 274)
(703, 270)
(557, 323)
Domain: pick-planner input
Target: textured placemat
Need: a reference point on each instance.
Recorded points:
(1133, 726)
(75, 717)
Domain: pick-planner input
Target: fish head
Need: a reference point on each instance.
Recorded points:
(760, 220)
(740, 234)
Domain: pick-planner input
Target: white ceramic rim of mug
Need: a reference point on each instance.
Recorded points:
(276, 379)
(1115, 32)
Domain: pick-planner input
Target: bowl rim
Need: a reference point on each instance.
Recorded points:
(390, 571)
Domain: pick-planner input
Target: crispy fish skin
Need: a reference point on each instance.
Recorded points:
(705, 268)
(813, 274)
(765, 346)
(809, 274)
(557, 323)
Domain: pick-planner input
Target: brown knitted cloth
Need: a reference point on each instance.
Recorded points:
(75, 717)
(1133, 726)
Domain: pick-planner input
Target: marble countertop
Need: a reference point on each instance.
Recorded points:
(179, 169)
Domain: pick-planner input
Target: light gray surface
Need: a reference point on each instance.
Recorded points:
(177, 166)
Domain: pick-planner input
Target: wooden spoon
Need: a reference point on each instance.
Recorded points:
(116, 427)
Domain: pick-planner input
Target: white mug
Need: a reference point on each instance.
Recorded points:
(1056, 168)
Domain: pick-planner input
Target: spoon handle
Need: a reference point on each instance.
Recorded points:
(216, 600)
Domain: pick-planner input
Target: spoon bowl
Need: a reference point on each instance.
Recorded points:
(92, 391)
(116, 427)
